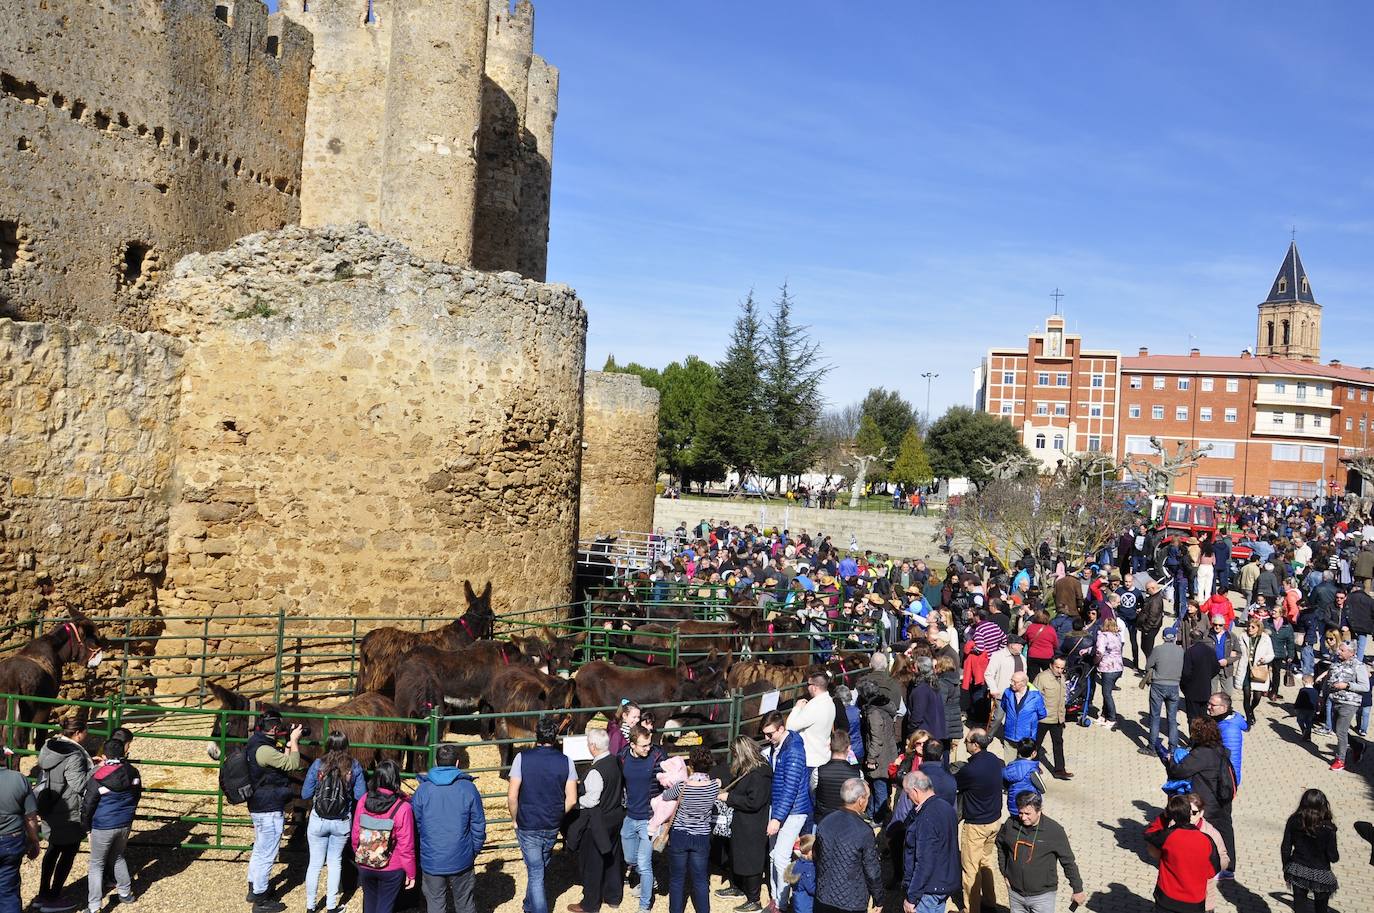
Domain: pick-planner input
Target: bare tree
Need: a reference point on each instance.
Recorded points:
(1157, 478)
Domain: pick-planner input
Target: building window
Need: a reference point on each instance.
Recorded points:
(1277, 417)
(1232, 385)
(1204, 413)
(1098, 380)
(1289, 453)
(1184, 383)
(1206, 385)
(1136, 382)
(1214, 486)
(1314, 454)
(1059, 442)
(1039, 442)
(1283, 283)
(1094, 443)
(1043, 378)
(1302, 390)
(1061, 380)
(1159, 383)
(1061, 408)
(1006, 408)
(1230, 415)
(1320, 390)
(1299, 422)
(1364, 396)
(1316, 421)
(1009, 377)
(1042, 409)
(1349, 424)
(1362, 426)
(1133, 410)
(1280, 387)
(1181, 414)
(1139, 443)
(1349, 392)
(1157, 413)
(1221, 450)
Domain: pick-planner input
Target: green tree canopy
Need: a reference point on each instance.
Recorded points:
(961, 436)
(893, 414)
(869, 441)
(735, 423)
(792, 371)
(912, 467)
(685, 392)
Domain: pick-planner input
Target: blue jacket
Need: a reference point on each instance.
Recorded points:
(856, 733)
(1017, 776)
(312, 781)
(804, 891)
(1021, 722)
(1233, 728)
(932, 850)
(112, 795)
(449, 820)
(791, 780)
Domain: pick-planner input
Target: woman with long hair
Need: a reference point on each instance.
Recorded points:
(65, 767)
(335, 782)
(1206, 568)
(1109, 668)
(1042, 643)
(384, 840)
(1308, 851)
(626, 718)
(1258, 660)
(1188, 859)
(748, 796)
(689, 837)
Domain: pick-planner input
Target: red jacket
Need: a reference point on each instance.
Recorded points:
(1187, 861)
(1219, 605)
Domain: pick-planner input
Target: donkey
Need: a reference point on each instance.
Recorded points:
(359, 732)
(518, 690)
(36, 671)
(383, 649)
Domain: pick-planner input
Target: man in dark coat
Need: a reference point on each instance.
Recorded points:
(1200, 666)
(848, 873)
(1149, 617)
(1068, 595)
(601, 812)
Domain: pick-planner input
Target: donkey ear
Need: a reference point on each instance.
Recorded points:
(227, 699)
(467, 591)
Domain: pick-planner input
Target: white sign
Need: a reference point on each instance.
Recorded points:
(575, 747)
(769, 701)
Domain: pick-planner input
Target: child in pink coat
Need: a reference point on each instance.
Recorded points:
(673, 771)
(384, 840)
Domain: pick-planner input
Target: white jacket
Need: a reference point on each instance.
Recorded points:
(814, 722)
(1001, 667)
(1264, 653)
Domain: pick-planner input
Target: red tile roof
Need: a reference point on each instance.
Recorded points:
(1237, 364)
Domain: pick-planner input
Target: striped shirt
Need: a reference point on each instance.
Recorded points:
(697, 804)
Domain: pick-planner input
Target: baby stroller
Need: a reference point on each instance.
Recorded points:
(1078, 674)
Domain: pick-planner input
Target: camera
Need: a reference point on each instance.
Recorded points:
(305, 729)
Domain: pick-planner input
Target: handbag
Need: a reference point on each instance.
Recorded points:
(1259, 672)
(724, 815)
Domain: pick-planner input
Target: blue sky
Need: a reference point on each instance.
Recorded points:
(924, 175)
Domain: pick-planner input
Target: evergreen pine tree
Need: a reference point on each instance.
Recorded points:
(792, 374)
(735, 422)
(912, 466)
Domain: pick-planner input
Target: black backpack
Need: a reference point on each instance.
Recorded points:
(235, 780)
(334, 797)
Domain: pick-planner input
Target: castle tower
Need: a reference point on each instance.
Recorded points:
(510, 46)
(1290, 319)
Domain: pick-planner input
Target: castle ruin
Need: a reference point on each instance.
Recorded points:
(619, 455)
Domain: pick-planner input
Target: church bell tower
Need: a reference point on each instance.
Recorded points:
(1290, 319)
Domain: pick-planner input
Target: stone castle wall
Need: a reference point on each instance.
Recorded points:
(361, 431)
(135, 132)
(86, 450)
(619, 456)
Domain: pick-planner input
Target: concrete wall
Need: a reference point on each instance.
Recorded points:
(891, 533)
(134, 132)
(362, 431)
(86, 450)
(619, 455)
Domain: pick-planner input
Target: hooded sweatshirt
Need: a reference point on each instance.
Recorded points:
(386, 804)
(450, 821)
(112, 796)
(68, 769)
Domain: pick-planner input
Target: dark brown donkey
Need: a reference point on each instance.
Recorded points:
(359, 732)
(382, 650)
(36, 671)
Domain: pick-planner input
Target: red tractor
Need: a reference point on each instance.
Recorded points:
(1181, 516)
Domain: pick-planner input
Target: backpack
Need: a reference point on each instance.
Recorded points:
(376, 840)
(44, 796)
(334, 797)
(235, 780)
(1226, 780)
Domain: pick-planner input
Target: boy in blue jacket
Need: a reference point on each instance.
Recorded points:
(452, 829)
(107, 811)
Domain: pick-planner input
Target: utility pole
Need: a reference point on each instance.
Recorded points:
(929, 376)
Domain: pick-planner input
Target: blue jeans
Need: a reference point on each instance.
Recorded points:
(380, 889)
(267, 828)
(327, 839)
(639, 852)
(689, 870)
(932, 903)
(11, 855)
(536, 847)
(1361, 640)
(877, 796)
(1164, 697)
(1108, 695)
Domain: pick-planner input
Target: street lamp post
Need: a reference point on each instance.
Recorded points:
(929, 376)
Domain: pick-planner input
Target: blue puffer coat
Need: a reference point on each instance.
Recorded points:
(1021, 722)
(449, 820)
(1017, 777)
(1233, 728)
(791, 780)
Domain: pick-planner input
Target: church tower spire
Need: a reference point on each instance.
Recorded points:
(1290, 319)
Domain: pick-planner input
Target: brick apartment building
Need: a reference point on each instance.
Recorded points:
(1277, 420)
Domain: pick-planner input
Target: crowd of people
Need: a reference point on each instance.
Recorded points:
(924, 777)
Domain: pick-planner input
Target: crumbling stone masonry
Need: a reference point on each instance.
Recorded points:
(360, 431)
(132, 132)
(86, 450)
(620, 449)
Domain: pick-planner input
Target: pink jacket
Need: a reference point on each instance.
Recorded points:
(673, 772)
(403, 833)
